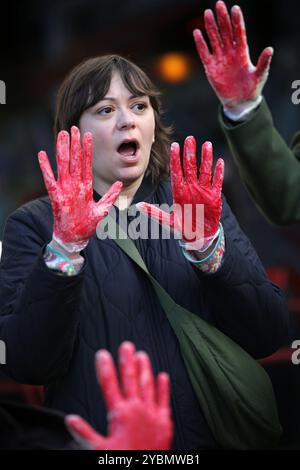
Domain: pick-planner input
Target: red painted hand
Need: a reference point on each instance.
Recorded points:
(228, 67)
(139, 416)
(76, 214)
(190, 192)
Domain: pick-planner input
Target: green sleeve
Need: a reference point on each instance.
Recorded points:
(269, 168)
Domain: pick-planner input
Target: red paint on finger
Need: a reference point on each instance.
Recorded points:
(192, 194)
(75, 213)
(229, 69)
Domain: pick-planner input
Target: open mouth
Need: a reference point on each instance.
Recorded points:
(128, 148)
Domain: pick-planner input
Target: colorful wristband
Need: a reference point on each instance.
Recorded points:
(57, 261)
(213, 261)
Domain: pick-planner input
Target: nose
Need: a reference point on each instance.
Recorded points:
(125, 120)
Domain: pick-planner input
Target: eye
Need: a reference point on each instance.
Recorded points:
(105, 111)
(140, 106)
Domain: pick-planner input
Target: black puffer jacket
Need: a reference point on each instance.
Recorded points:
(53, 325)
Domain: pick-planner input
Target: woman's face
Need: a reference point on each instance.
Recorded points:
(123, 128)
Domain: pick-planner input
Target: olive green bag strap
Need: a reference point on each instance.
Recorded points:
(234, 391)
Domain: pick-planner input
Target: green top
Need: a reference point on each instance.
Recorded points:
(269, 168)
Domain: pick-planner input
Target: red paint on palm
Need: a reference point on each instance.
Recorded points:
(75, 213)
(139, 412)
(228, 66)
(189, 190)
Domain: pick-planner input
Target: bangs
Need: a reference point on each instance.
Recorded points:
(139, 84)
(133, 79)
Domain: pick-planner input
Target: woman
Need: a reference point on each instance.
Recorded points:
(65, 293)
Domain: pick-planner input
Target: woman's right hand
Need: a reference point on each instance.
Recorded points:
(76, 214)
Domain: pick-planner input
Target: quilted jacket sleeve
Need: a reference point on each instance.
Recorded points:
(39, 309)
(268, 167)
(244, 304)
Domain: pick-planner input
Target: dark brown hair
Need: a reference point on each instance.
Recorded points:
(89, 82)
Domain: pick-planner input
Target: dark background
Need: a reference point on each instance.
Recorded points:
(42, 40)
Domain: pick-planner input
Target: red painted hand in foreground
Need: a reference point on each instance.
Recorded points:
(228, 68)
(75, 213)
(139, 415)
(191, 191)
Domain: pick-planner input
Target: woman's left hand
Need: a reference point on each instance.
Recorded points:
(190, 191)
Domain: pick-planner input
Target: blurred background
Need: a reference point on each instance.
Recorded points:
(42, 40)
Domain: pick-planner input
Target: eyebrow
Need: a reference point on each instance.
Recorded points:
(131, 97)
